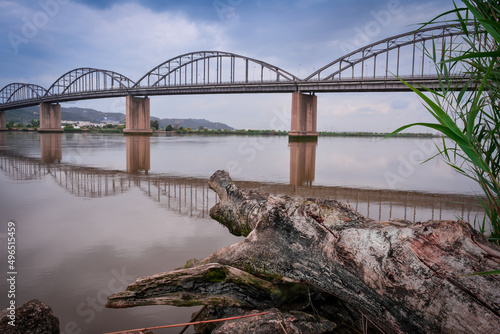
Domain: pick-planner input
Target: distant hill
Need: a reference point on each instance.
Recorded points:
(192, 123)
(90, 115)
(25, 115)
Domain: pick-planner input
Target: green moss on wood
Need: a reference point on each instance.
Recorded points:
(215, 275)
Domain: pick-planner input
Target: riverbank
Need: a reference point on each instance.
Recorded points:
(243, 132)
(285, 133)
(93, 130)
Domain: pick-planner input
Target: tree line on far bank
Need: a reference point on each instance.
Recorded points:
(154, 124)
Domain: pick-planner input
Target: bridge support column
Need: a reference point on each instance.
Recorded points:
(304, 115)
(138, 116)
(50, 118)
(3, 121)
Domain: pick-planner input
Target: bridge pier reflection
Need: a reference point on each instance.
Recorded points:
(51, 147)
(3, 141)
(138, 154)
(50, 118)
(137, 116)
(3, 121)
(302, 163)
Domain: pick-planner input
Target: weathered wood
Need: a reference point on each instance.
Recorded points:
(275, 321)
(207, 284)
(402, 277)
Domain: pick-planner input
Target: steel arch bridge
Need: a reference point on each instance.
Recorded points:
(15, 92)
(194, 69)
(373, 67)
(89, 80)
(353, 65)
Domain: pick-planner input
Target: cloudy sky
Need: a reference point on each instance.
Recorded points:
(41, 40)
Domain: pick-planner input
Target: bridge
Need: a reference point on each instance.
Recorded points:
(371, 68)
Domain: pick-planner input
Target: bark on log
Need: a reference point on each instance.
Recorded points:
(402, 277)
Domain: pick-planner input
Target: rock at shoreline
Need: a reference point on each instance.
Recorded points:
(33, 317)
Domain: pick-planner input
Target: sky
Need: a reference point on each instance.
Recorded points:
(42, 40)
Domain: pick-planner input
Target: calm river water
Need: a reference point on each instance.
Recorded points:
(95, 212)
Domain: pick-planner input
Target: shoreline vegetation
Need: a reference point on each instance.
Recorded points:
(170, 130)
(285, 133)
(468, 114)
(238, 132)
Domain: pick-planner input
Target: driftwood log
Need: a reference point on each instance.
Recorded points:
(322, 257)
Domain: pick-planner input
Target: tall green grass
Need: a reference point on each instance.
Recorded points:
(469, 116)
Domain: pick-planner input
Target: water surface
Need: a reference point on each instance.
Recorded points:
(95, 212)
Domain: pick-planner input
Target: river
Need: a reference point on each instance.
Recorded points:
(93, 212)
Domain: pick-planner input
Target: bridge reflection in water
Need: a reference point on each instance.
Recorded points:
(191, 196)
(302, 163)
(138, 154)
(51, 147)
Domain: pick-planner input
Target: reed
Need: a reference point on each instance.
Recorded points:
(469, 117)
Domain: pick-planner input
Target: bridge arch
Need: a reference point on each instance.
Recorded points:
(15, 92)
(82, 80)
(212, 67)
(362, 63)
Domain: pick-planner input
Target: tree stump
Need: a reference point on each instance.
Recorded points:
(321, 256)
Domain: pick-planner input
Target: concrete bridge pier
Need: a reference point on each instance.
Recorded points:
(138, 116)
(50, 118)
(304, 117)
(3, 121)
